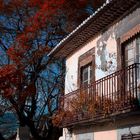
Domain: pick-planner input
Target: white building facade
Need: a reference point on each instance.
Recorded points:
(102, 59)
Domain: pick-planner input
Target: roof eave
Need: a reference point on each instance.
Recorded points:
(103, 17)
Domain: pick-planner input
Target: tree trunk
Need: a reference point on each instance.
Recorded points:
(1, 137)
(54, 133)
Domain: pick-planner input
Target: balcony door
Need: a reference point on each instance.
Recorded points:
(86, 68)
(86, 71)
(132, 52)
(132, 56)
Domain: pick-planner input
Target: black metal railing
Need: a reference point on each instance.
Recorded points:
(110, 95)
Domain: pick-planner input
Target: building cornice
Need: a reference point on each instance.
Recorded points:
(107, 14)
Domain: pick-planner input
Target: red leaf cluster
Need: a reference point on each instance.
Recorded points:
(11, 75)
(7, 70)
(9, 80)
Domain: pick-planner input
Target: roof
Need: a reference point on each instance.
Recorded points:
(108, 13)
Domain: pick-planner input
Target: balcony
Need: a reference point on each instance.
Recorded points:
(114, 95)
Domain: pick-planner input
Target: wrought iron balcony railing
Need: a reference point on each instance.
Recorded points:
(112, 95)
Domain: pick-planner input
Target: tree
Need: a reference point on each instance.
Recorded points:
(30, 81)
(28, 65)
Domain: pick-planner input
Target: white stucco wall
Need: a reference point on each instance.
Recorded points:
(105, 59)
(105, 48)
(115, 134)
(102, 58)
(67, 135)
(106, 135)
(85, 136)
(72, 66)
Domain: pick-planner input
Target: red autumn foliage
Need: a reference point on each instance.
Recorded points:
(81, 107)
(10, 74)
(17, 79)
(10, 79)
(7, 70)
(35, 23)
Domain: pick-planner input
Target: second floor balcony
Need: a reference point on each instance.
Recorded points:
(113, 95)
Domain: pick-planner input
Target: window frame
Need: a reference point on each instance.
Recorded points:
(136, 54)
(84, 60)
(86, 69)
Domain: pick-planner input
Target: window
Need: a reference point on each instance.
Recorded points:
(131, 137)
(84, 136)
(138, 49)
(86, 68)
(131, 55)
(86, 75)
(132, 52)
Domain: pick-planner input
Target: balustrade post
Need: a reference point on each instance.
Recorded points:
(136, 72)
